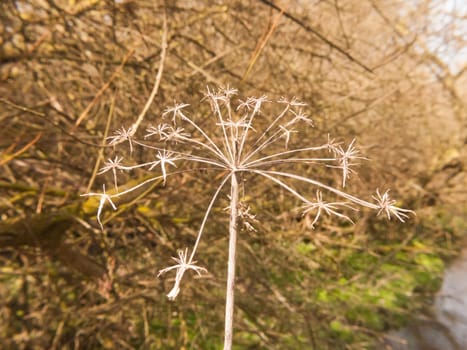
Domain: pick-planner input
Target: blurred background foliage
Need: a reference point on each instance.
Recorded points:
(390, 73)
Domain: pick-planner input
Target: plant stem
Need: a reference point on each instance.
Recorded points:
(229, 302)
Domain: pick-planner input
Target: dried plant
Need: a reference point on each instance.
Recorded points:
(237, 148)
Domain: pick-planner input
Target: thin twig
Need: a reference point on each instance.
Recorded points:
(44, 117)
(101, 151)
(157, 82)
(85, 113)
(262, 44)
(7, 158)
(318, 34)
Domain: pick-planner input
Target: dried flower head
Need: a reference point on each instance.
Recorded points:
(184, 263)
(239, 146)
(121, 135)
(386, 205)
(104, 198)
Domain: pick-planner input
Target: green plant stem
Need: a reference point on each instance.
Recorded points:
(229, 302)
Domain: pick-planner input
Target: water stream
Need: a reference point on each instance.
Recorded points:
(447, 330)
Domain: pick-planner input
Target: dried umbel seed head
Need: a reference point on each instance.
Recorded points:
(234, 144)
